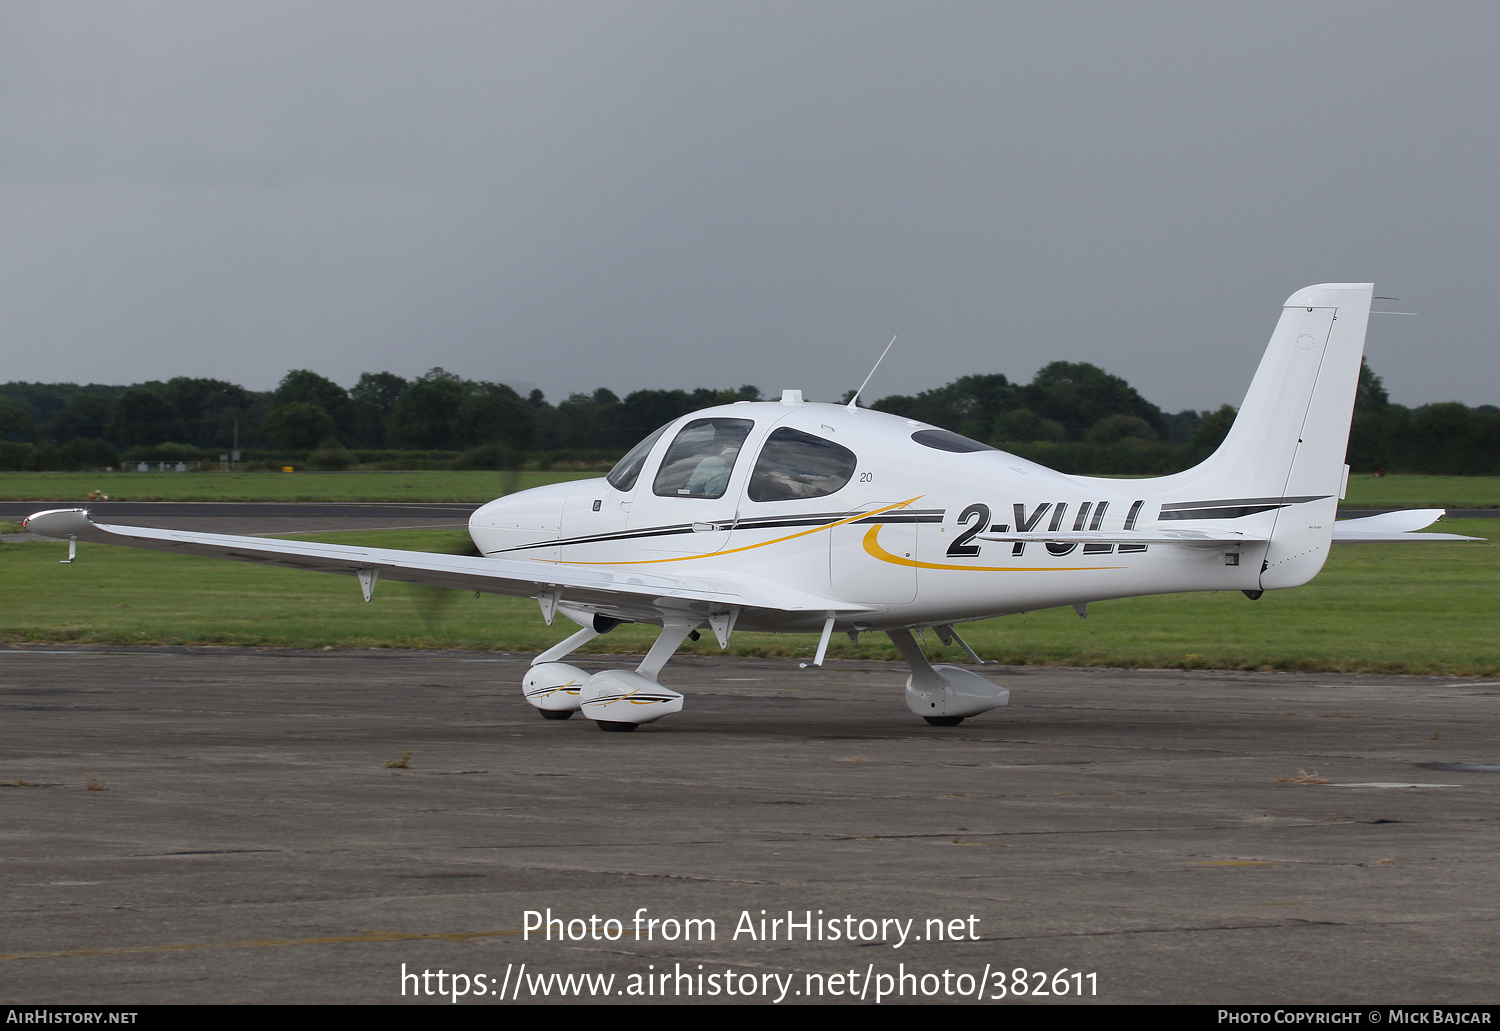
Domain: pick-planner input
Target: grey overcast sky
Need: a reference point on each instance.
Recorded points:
(658, 194)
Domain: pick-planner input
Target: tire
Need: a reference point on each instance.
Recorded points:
(617, 725)
(556, 714)
(944, 721)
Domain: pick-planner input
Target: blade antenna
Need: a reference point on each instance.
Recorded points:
(854, 401)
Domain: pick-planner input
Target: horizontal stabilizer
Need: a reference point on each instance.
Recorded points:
(1214, 537)
(1394, 528)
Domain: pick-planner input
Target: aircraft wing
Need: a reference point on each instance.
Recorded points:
(622, 593)
(1394, 528)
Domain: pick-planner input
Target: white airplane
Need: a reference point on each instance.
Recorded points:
(795, 517)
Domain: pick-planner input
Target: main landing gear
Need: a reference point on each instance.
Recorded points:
(615, 699)
(620, 700)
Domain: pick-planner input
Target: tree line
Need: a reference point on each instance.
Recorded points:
(383, 419)
(1072, 416)
(1077, 418)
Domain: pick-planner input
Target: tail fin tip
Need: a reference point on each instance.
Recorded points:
(1327, 295)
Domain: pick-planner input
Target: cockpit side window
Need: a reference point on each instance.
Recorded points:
(795, 465)
(628, 469)
(700, 460)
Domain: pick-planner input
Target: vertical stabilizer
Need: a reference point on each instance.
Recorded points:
(1286, 449)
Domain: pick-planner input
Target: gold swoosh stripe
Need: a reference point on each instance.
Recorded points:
(872, 546)
(750, 547)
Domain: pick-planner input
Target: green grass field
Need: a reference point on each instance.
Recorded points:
(1414, 608)
(1364, 491)
(1423, 492)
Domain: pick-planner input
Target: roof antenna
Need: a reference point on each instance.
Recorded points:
(854, 401)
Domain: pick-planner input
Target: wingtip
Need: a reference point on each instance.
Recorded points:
(58, 522)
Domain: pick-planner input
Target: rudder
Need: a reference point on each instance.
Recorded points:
(1304, 532)
(1285, 452)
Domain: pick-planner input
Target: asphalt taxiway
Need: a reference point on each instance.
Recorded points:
(217, 825)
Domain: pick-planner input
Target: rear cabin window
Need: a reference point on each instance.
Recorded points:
(795, 465)
(700, 460)
(947, 440)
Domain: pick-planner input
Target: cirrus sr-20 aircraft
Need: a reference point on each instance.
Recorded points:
(797, 517)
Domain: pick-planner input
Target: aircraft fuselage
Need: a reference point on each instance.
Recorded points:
(902, 534)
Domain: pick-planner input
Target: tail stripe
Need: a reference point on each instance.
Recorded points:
(1232, 509)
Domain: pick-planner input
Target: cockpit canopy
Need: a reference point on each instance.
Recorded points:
(792, 464)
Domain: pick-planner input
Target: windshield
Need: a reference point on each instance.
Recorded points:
(628, 469)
